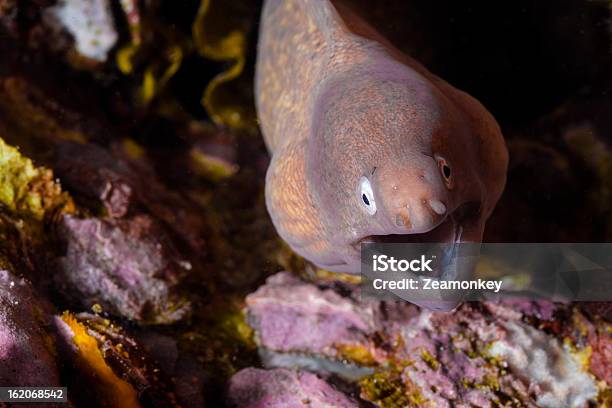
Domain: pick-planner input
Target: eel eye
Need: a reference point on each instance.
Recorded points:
(367, 195)
(446, 171)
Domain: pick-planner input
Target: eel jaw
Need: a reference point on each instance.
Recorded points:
(449, 230)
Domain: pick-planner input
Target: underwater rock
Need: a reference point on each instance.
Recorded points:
(444, 364)
(518, 308)
(127, 266)
(488, 354)
(93, 173)
(290, 315)
(89, 22)
(554, 376)
(601, 357)
(314, 327)
(470, 357)
(258, 388)
(26, 348)
(593, 334)
(129, 366)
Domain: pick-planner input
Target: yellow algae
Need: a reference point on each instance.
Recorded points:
(356, 353)
(583, 356)
(430, 360)
(388, 389)
(118, 393)
(154, 81)
(213, 41)
(219, 35)
(96, 308)
(173, 48)
(212, 168)
(489, 382)
(133, 149)
(124, 58)
(325, 275)
(27, 190)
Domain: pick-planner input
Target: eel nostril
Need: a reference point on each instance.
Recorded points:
(403, 219)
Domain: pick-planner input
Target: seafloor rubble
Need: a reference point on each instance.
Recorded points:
(482, 354)
(138, 266)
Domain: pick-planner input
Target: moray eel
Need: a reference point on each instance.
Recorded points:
(367, 145)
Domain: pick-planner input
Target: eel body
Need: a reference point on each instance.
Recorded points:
(366, 144)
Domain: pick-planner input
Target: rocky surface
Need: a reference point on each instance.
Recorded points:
(89, 23)
(290, 315)
(27, 350)
(128, 267)
(482, 354)
(257, 388)
(126, 185)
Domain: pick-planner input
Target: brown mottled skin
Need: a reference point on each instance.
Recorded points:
(336, 103)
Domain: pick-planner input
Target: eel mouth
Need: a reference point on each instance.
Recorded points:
(449, 230)
(452, 262)
(446, 231)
